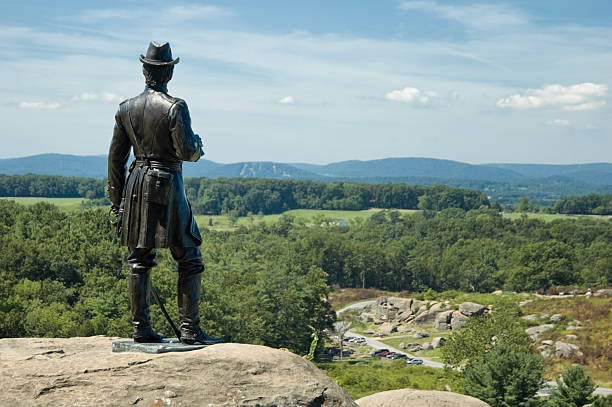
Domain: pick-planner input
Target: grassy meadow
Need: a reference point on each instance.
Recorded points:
(66, 204)
(225, 223)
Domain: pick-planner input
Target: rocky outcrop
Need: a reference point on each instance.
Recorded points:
(458, 320)
(471, 309)
(387, 328)
(404, 312)
(535, 331)
(559, 349)
(419, 398)
(438, 342)
(84, 372)
(566, 350)
(443, 320)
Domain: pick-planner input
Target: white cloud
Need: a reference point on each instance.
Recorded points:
(189, 12)
(197, 12)
(39, 105)
(411, 95)
(286, 100)
(581, 96)
(477, 16)
(559, 122)
(93, 96)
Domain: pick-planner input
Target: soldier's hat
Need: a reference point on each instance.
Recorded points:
(158, 54)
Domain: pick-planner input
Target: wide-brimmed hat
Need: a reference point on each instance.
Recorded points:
(158, 54)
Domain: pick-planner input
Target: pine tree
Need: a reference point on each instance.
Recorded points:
(602, 401)
(505, 377)
(574, 389)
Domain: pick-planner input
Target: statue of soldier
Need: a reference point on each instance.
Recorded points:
(151, 207)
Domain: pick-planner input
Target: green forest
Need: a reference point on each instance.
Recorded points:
(63, 274)
(272, 196)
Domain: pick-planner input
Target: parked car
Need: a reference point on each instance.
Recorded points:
(414, 361)
(398, 356)
(377, 351)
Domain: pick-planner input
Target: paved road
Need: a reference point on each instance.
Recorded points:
(356, 306)
(545, 391)
(379, 345)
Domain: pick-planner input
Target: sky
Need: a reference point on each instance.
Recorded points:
(320, 81)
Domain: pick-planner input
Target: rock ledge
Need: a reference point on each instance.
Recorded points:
(84, 372)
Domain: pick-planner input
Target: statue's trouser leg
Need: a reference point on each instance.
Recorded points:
(190, 269)
(141, 261)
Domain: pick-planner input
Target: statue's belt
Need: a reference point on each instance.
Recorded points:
(174, 166)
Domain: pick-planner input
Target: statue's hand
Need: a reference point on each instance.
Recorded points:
(200, 144)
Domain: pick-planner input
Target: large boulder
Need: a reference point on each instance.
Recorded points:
(427, 346)
(471, 309)
(419, 398)
(438, 342)
(458, 320)
(84, 372)
(428, 316)
(537, 330)
(443, 320)
(420, 334)
(387, 328)
(566, 350)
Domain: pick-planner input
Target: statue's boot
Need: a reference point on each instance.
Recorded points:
(189, 311)
(140, 290)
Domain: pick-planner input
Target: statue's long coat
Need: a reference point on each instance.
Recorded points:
(156, 212)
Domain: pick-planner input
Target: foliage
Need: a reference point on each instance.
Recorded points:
(601, 401)
(505, 377)
(574, 389)
(63, 275)
(591, 204)
(468, 346)
(360, 379)
(51, 186)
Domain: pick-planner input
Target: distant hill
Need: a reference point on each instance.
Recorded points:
(506, 183)
(414, 167)
(595, 173)
(95, 166)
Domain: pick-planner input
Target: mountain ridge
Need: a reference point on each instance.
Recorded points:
(94, 166)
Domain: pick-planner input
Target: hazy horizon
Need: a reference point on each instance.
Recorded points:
(332, 162)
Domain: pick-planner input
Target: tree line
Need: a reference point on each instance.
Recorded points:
(244, 195)
(591, 204)
(268, 196)
(51, 186)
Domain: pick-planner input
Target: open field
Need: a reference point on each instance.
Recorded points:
(549, 217)
(222, 222)
(66, 204)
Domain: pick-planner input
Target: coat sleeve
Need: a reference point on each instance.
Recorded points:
(187, 146)
(118, 155)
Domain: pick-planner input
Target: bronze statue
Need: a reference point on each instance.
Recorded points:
(151, 206)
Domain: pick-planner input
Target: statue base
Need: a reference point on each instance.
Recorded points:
(166, 345)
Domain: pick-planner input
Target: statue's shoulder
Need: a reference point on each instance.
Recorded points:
(172, 100)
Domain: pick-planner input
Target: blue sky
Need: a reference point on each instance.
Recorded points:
(320, 81)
